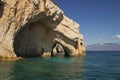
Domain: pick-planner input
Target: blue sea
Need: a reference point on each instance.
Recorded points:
(95, 66)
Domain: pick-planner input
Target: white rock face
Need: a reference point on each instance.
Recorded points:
(31, 28)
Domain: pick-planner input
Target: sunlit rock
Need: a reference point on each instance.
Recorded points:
(30, 28)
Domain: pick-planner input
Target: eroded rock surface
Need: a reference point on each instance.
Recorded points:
(31, 28)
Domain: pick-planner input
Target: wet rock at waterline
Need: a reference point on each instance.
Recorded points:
(34, 28)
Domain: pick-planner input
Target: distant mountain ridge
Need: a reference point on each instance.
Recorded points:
(103, 47)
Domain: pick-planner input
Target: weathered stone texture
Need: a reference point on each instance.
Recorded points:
(30, 28)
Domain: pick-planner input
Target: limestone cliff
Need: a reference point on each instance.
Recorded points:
(33, 28)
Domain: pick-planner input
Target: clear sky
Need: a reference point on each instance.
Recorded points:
(99, 19)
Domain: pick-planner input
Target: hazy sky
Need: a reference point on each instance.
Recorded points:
(99, 19)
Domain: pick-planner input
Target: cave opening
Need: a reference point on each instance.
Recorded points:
(59, 51)
(27, 42)
(1, 8)
(32, 39)
(81, 44)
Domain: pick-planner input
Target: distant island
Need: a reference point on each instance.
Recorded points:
(103, 47)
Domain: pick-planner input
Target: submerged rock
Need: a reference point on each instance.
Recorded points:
(31, 28)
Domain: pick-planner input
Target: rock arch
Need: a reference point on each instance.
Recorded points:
(29, 28)
(57, 50)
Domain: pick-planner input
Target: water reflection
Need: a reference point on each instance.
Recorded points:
(43, 69)
(6, 70)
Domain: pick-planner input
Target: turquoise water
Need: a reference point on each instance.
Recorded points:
(95, 66)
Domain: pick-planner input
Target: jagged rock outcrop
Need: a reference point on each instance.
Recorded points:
(31, 28)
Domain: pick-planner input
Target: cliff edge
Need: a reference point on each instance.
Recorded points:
(34, 28)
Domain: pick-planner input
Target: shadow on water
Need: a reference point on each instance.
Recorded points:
(6, 70)
(43, 69)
